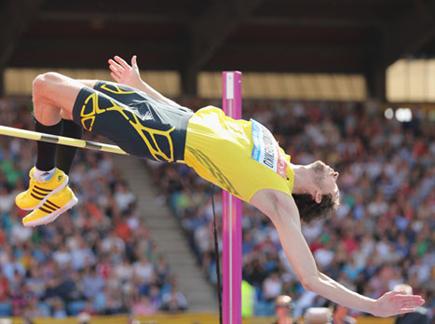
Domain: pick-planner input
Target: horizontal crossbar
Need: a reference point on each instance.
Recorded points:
(36, 136)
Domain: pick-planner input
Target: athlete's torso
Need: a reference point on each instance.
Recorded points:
(239, 156)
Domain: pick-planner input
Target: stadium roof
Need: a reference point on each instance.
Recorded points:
(337, 36)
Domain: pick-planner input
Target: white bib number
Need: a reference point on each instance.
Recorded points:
(266, 149)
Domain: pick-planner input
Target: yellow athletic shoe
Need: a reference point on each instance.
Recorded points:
(52, 208)
(39, 192)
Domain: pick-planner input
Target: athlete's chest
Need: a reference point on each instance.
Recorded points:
(266, 150)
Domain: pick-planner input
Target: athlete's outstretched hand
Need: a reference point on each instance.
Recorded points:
(395, 303)
(122, 72)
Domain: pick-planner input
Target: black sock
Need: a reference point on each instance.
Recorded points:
(65, 154)
(46, 151)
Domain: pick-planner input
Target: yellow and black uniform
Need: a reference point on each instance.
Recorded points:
(239, 156)
(140, 125)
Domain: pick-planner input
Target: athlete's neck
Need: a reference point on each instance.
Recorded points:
(303, 180)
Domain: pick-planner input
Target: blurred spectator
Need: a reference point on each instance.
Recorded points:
(283, 310)
(272, 287)
(83, 318)
(143, 306)
(341, 316)
(174, 301)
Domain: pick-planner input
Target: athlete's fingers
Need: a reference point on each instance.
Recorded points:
(118, 74)
(134, 61)
(115, 66)
(123, 63)
(416, 299)
(410, 304)
(405, 310)
(112, 62)
(116, 69)
(115, 77)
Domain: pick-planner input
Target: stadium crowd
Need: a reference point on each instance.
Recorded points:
(98, 259)
(383, 231)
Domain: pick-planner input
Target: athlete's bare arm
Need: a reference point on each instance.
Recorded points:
(283, 212)
(128, 74)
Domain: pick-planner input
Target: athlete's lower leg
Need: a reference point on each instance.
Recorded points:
(47, 120)
(65, 154)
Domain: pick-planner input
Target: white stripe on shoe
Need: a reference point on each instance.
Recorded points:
(55, 191)
(53, 216)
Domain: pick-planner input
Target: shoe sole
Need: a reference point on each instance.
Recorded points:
(53, 216)
(55, 191)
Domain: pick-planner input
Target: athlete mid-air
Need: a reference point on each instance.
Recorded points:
(239, 156)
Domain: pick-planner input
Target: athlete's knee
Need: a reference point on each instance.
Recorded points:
(43, 82)
(41, 95)
(37, 84)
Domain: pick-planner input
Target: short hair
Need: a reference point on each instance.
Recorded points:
(283, 301)
(309, 209)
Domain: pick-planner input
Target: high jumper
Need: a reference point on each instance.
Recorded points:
(240, 156)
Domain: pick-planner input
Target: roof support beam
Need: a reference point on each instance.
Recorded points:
(374, 67)
(15, 17)
(376, 82)
(208, 33)
(212, 28)
(189, 82)
(2, 82)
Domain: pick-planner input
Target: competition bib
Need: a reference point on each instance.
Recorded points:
(266, 150)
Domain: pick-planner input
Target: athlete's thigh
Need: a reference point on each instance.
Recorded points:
(131, 121)
(103, 115)
(121, 92)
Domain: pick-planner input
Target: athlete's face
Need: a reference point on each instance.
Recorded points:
(326, 178)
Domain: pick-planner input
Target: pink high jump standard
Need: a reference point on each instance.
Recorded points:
(232, 214)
